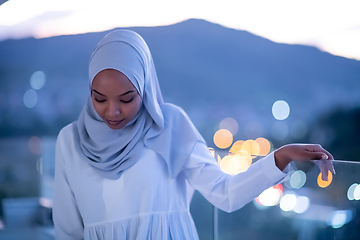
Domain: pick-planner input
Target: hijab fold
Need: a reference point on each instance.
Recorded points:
(160, 126)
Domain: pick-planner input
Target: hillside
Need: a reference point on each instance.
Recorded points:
(211, 71)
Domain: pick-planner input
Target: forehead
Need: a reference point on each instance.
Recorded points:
(112, 82)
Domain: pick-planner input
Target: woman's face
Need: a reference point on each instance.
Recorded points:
(115, 99)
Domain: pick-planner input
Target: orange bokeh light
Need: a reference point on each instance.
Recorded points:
(236, 147)
(235, 163)
(265, 146)
(322, 183)
(223, 138)
(251, 146)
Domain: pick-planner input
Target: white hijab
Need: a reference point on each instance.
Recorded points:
(162, 127)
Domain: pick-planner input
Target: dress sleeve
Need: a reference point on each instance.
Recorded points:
(67, 220)
(227, 192)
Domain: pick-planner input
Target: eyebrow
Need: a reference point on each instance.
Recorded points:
(130, 91)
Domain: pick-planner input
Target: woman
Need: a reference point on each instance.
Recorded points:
(126, 169)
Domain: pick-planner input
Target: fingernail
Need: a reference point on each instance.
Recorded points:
(324, 156)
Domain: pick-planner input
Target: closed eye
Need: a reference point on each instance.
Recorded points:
(127, 100)
(100, 101)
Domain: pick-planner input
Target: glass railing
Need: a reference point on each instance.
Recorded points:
(303, 207)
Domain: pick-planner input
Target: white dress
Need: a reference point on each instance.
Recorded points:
(145, 203)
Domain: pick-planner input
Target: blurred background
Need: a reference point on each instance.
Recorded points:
(252, 76)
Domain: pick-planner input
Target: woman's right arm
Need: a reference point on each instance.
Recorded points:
(67, 219)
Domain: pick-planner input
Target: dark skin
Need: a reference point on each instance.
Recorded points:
(115, 99)
(299, 152)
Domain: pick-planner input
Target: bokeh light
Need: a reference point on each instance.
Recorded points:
(245, 160)
(229, 124)
(288, 202)
(30, 98)
(357, 192)
(322, 183)
(280, 110)
(258, 205)
(236, 147)
(287, 182)
(34, 145)
(37, 80)
(265, 146)
(250, 146)
(279, 130)
(339, 218)
(298, 129)
(271, 196)
(302, 204)
(223, 138)
(351, 191)
(45, 202)
(229, 165)
(297, 179)
(279, 187)
(235, 163)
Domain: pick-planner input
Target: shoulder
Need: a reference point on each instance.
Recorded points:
(65, 138)
(66, 132)
(172, 111)
(176, 118)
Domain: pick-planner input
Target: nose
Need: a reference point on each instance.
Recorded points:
(113, 110)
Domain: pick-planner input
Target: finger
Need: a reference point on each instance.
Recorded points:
(328, 154)
(319, 148)
(324, 168)
(318, 155)
(324, 174)
(330, 166)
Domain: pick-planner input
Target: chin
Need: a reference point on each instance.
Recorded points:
(120, 126)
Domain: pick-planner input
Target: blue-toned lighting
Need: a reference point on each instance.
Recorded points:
(302, 204)
(279, 130)
(351, 191)
(280, 110)
(30, 98)
(339, 218)
(297, 179)
(37, 80)
(288, 202)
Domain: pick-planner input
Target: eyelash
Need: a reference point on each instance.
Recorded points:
(128, 100)
(101, 101)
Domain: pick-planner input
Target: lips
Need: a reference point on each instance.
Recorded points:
(114, 122)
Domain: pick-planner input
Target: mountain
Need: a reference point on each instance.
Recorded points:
(211, 71)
